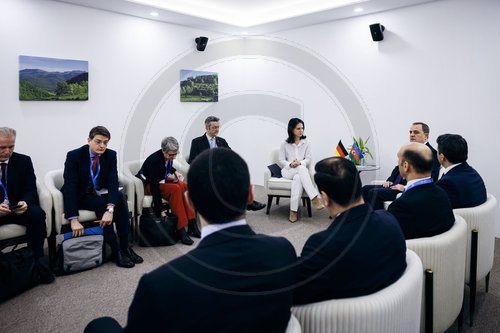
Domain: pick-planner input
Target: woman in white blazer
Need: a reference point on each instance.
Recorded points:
(295, 155)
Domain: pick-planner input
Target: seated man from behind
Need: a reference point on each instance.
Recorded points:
(464, 186)
(234, 281)
(18, 195)
(91, 183)
(163, 181)
(395, 184)
(423, 210)
(361, 252)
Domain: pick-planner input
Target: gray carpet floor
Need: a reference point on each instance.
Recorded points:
(70, 302)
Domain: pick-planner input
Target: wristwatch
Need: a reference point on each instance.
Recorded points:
(110, 210)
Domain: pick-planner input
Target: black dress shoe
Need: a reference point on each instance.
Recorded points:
(136, 259)
(122, 260)
(183, 237)
(256, 206)
(193, 229)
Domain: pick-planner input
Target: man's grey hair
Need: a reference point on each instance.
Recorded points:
(169, 143)
(210, 119)
(7, 132)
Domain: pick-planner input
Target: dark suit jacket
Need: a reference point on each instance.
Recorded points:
(434, 173)
(435, 163)
(423, 211)
(21, 180)
(154, 170)
(394, 174)
(232, 282)
(464, 186)
(200, 143)
(77, 177)
(361, 252)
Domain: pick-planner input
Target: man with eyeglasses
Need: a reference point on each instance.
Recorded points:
(91, 183)
(210, 140)
(162, 180)
(18, 193)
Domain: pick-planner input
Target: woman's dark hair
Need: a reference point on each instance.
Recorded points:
(291, 126)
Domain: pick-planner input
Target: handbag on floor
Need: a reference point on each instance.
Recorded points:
(80, 253)
(158, 231)
(19, 272)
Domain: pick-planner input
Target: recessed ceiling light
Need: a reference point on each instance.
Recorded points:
(154, 14)
(358, 10)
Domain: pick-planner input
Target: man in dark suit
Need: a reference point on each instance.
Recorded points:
(423, 210)
(235, 280)
(361, 252)
(91, 183)
(377, 194)
(461, 182)
(210, 140)
(18, 193)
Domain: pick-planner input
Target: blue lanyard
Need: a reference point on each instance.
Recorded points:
(168, 166)
(5, 187)
(420, 182)
(94, 178)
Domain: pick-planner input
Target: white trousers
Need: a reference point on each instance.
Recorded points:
(301, 180)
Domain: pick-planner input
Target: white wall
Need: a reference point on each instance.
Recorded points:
(437, 64)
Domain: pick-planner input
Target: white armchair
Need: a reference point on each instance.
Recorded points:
(12, 234)
(443, 259)
(480, 245)
(54, 182)
(395, 308)
(281, 187)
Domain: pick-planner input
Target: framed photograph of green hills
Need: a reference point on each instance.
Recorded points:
(51, 79)
(199, 86)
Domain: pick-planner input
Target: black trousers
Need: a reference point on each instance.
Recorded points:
(375, 195)
(34, 221)
(98, 204)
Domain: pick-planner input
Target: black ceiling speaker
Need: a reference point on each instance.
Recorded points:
(201, 43)
(377, 32)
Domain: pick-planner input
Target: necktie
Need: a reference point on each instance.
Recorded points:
(212, 143)
(397, 180)
(4, 171)
(94, 166)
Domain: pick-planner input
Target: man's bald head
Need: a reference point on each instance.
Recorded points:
(415, 160)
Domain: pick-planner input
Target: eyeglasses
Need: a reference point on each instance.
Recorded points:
(172, 155)
(99, 142)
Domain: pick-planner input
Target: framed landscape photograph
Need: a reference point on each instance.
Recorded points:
(199, 86)
(51, 79)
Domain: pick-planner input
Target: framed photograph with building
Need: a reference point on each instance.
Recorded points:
(199, 86)
(51, 79)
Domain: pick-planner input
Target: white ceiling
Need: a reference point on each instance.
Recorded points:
(252, 17)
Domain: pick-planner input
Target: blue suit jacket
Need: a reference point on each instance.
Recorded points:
(77, 177)
(21, 180)
(423, 211)
(361, 252)
(464, 186)
(234, 281)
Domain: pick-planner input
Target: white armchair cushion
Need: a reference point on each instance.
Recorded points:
(11, 230)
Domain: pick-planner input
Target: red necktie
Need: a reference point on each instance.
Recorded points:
(94, 166)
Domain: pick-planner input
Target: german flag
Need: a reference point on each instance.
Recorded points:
(340, 150)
